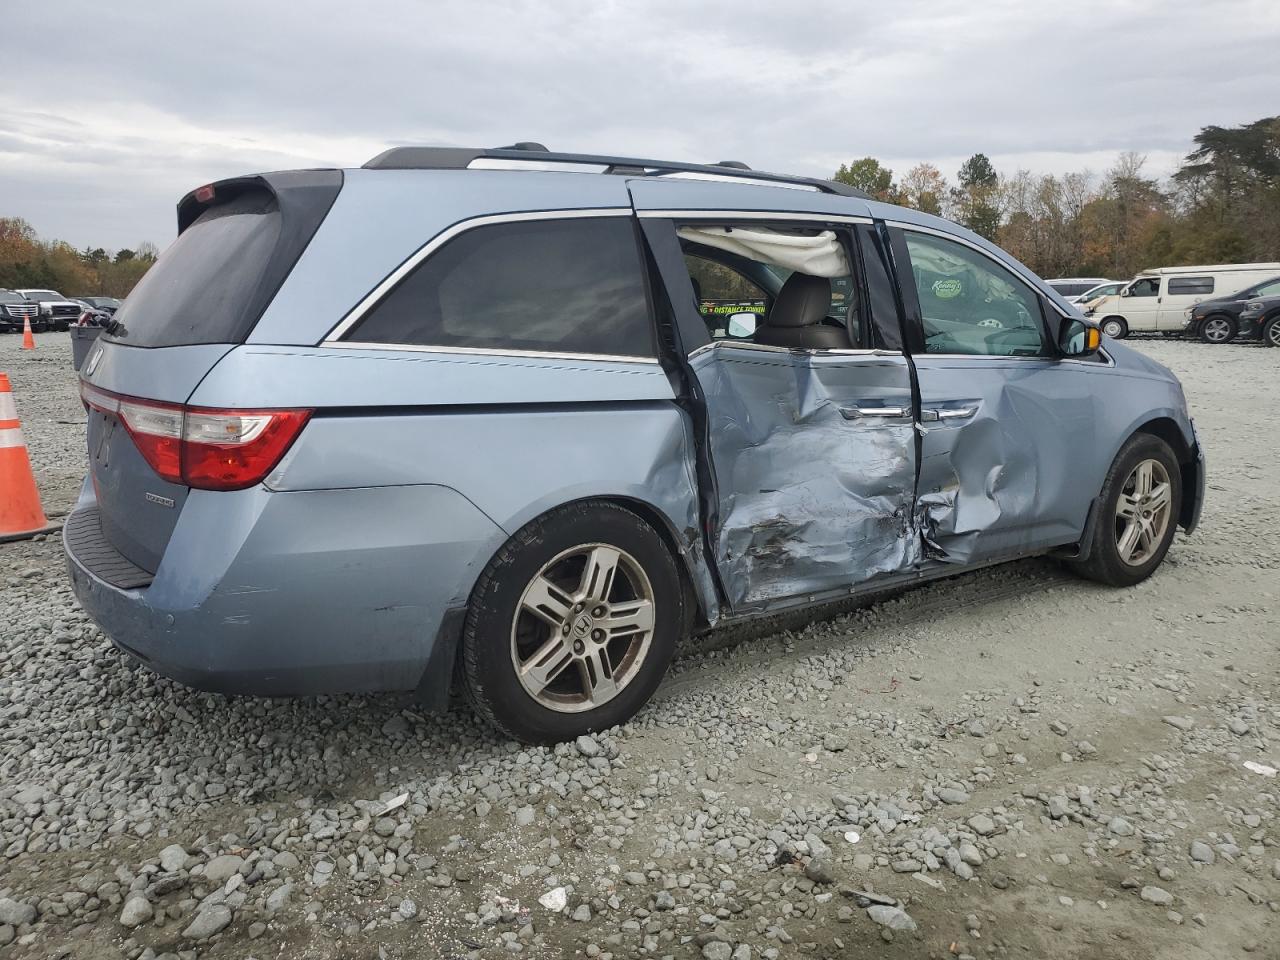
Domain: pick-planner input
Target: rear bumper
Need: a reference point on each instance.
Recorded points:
(300, 593)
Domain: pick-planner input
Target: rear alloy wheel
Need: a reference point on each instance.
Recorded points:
(1271, 332)
(1137, 514)
(572, 624)
(1115, 328)
(1217, 329)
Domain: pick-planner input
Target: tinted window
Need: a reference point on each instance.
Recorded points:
(201, 287)
(569, 286)
(1190, 285)
(1147, 287)
(971, 304)
(1271, 289)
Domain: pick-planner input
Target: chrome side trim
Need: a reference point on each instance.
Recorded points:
(511, 352)
(816, 217)
(356, 313)
(770, 348)
(988, 357)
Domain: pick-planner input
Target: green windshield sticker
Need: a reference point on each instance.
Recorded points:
(946, 289)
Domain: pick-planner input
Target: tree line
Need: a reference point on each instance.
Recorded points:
(1222, 205)
(27, 261)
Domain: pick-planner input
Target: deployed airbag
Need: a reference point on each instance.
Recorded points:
(819, 255)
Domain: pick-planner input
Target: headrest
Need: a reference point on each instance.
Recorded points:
(802, 301)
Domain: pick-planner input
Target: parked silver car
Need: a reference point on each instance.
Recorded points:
(356, 429)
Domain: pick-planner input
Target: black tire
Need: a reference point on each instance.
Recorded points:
(489, 675)
(1104, 563)
(1115, 327)
(1218, 328)
(1271, 332)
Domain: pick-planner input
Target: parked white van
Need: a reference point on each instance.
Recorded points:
(1157, 300)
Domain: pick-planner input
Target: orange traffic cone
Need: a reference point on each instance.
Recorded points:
(28, 341)
(20, 512)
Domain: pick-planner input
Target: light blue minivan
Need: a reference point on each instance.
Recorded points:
(460, 414)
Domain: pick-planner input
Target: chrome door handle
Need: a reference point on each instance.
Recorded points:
(947, 413)
(857, 413)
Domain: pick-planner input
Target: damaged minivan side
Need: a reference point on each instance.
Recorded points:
(455, 415)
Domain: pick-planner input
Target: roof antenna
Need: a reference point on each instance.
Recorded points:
(736, 164)
(528, 145)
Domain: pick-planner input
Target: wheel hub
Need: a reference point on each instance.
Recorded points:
(1143, 512)
(583, 628)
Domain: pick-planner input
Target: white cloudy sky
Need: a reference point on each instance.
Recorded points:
(111, 111)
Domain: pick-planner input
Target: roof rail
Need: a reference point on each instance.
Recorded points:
(459, 158)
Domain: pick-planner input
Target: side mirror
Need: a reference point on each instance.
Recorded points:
(1077, 338)
(742, 324)
(1125, 292)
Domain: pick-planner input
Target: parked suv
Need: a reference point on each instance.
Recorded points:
(358, 426)
(1218, 320)
(57, 311)
(15, 310)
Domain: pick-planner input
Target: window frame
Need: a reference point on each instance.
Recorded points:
(914, 319)
(845, 229)
(337, 335)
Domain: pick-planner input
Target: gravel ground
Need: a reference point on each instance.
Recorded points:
(1010, 763)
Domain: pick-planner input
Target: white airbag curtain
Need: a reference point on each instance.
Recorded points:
(819, 255)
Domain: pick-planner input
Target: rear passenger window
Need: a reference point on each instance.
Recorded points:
(1190, 285)
(564, 286)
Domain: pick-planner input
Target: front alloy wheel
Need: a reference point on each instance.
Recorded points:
(1137, 514)
(1217, 329)
(1143, 512)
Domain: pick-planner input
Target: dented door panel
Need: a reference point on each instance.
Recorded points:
(1002, 462)
(815, 482)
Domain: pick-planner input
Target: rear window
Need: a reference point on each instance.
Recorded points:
(564, 286)
(1190, 285)
(201, 288)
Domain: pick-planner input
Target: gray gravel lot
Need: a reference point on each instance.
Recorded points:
(1010, 763)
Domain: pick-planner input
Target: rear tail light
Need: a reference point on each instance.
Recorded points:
(200, 447)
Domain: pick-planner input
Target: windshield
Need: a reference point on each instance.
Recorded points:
(44, 295)
(7, 297)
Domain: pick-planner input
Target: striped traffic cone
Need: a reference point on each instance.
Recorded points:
(28, 341)
(20, 513)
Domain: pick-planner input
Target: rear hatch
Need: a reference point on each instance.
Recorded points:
(237, 242)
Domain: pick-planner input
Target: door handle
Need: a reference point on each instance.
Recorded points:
(858, 413)
(947, 413)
